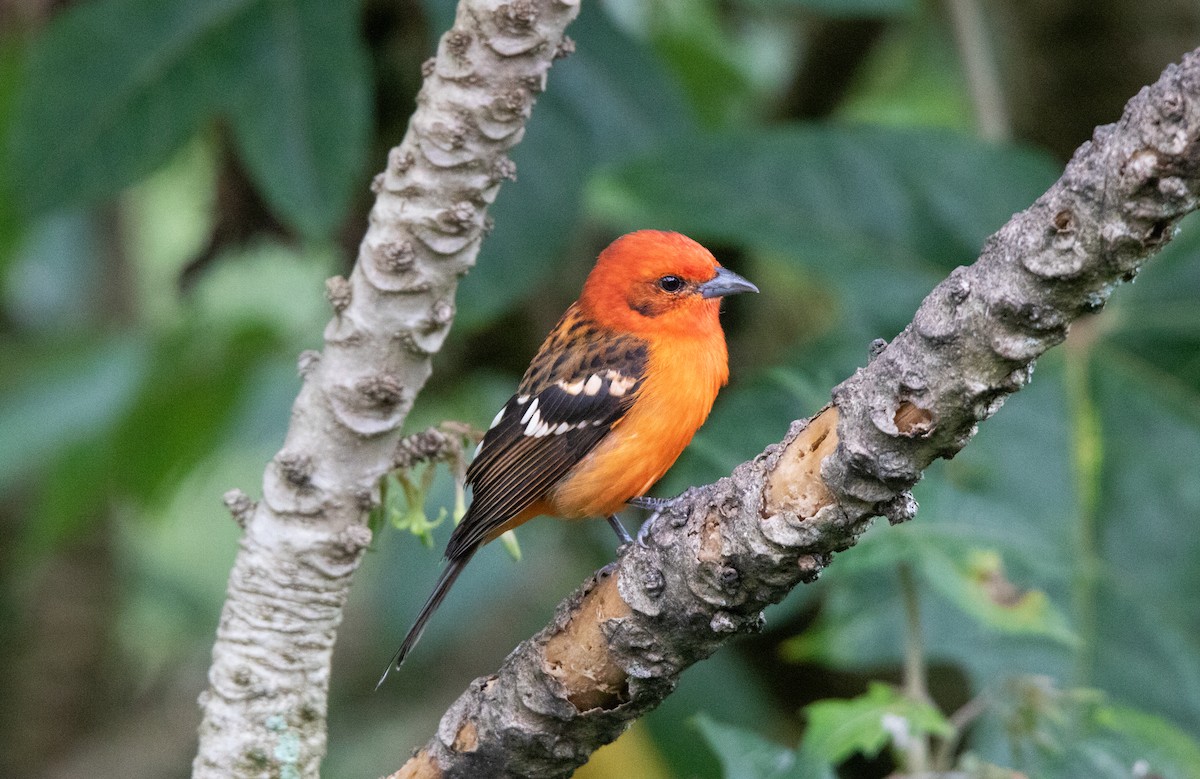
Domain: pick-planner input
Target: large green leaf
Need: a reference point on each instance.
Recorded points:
(301, 106)
(114, 86)
(912, 77)
(945, 561)
(129, 420)
(743, 691)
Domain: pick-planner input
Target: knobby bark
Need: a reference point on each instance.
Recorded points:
(264, 709)
(616, 647)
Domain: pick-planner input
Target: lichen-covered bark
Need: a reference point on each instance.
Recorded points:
(617, 646)
(264, 709)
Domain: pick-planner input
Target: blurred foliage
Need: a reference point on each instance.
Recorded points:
(838, 729)
(1055, 563)
(132, 80)
(743, 753)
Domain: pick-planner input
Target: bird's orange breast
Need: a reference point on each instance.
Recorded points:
(681, 384)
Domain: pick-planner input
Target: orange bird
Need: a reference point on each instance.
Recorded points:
(609, 402)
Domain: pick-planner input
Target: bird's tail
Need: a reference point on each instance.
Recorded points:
(449, 574)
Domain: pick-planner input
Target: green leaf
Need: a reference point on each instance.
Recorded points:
(113, 86)
(1157, 745)
(838, 729)
(972, 579)
(184, 409)
(301, 108)
(743, 690)
(409, 514)
(746, 755)
(975, 581)
(131, 80)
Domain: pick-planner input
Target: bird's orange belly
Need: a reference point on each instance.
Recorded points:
(636, 454)
(604, 482)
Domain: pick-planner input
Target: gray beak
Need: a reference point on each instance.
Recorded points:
(726, 282)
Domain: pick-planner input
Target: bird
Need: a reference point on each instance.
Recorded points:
(609, 402)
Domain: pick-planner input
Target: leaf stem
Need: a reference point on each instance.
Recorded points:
(916, 751)
(1087, 460)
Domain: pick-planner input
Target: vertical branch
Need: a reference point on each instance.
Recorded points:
(265, 706)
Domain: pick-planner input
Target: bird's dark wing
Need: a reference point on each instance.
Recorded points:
(581, 382)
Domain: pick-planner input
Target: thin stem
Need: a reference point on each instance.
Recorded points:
(970, 711)
(915, 685)
(983, 80)
(1087, 459)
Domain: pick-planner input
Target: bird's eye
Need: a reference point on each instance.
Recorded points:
(670, 283)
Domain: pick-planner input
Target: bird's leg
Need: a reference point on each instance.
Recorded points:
(619, 529)
(656, 506)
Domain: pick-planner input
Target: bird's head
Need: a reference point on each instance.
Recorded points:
(654, 282)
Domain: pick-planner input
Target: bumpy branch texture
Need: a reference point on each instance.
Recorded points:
(616, 647)
(264, 709)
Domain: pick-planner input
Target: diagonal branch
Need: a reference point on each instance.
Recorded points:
(264, 709)
(616, 647)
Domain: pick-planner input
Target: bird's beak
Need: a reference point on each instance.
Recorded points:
(726, 282)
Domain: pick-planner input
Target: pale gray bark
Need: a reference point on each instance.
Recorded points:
(617, 646)
(264, 709)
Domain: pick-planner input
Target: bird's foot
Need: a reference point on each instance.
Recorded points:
(656, 506)
(652, 504)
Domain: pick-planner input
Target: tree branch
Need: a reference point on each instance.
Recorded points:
(616, 647)
(264, 709)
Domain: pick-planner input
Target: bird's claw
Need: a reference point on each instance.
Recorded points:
(644, 531)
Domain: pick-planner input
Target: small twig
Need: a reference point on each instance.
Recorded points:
(961, 719)
(443, 443)
(983, 80)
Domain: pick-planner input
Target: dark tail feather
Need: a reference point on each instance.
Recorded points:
(449, 574)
